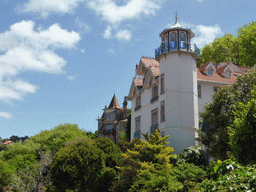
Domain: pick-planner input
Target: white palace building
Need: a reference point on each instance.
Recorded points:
(169, 91)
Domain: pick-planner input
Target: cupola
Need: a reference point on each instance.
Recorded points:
(176, 38)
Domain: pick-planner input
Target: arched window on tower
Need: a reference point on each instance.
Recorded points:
(182, 40)
(172, 40)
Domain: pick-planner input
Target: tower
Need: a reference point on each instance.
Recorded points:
(177, 65)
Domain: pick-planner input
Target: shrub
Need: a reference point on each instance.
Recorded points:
(194, 155)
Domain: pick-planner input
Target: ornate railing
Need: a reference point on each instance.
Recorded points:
(137, 134)
(154, 99)
(173, 46)
(153, 128)
(107, 131)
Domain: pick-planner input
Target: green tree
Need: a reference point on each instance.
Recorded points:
(55, 138)
(247, 39)
(144, 157)
(6, 172)
(77, 166)
(242, 131)
(219, 114)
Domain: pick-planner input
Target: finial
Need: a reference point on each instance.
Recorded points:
(176, 18)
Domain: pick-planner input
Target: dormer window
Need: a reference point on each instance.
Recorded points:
(228, 74)
(210, 72)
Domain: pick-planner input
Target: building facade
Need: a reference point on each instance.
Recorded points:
(169, 91)
(113, 120)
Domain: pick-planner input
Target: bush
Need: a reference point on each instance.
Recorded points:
(194, 155)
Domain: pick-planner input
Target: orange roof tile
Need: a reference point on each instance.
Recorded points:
(149, 61)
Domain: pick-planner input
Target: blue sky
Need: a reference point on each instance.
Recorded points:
(61, 61)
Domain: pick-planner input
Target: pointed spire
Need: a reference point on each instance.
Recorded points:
(114, 103)
(176, 18)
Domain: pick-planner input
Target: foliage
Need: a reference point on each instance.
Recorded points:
(111, 151)
(5, 173)
(240, 50)
(247, 38)
(20, 156)
(55, 138)
(229, 176)
(77, 166)
(152, 155)
(194, 155)
(189, 175)
(219, 114)
(243, 131)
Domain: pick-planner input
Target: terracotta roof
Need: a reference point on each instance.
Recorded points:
(202, 67)
(7, 142)
(155, 71)
(114, 103)
(149, 61)
(215, 77)
(138, 82)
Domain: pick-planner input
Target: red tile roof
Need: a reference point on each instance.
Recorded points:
(149, 61)
(7, 142)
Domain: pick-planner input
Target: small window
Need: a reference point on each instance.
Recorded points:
(215, 90)
(137, 124)
(166, 42)
(162, 83)
(138, 101)
(228, 74)
(109, 116)
(162, 111)
(199, 91)
(154, 91)
(210, 72)
(182, 36)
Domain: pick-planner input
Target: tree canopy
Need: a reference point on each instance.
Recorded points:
(240, 50)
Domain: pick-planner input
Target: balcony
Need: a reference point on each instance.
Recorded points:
(137, 134)
(137, 108)
(153, 128)
(173, 46)
(154, 99)
(108, 131)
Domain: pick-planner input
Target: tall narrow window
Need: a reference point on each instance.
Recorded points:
(154, 91)
(199, 91)
(162, 83)
(138, 101)
(172, 40)
(154, 117)
(137, 124)
(182, 40)
(162, 111)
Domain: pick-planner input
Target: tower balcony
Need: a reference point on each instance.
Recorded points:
(175, 46)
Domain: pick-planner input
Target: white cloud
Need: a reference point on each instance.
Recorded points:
(82, 25)
(82, 50)
(45, 7)
(115, 14)
(24, 49)
(133, 9)
(123, 35)
(5, 115)
(111, 51)
(203, 34)
(107, 33)
(73, 77)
